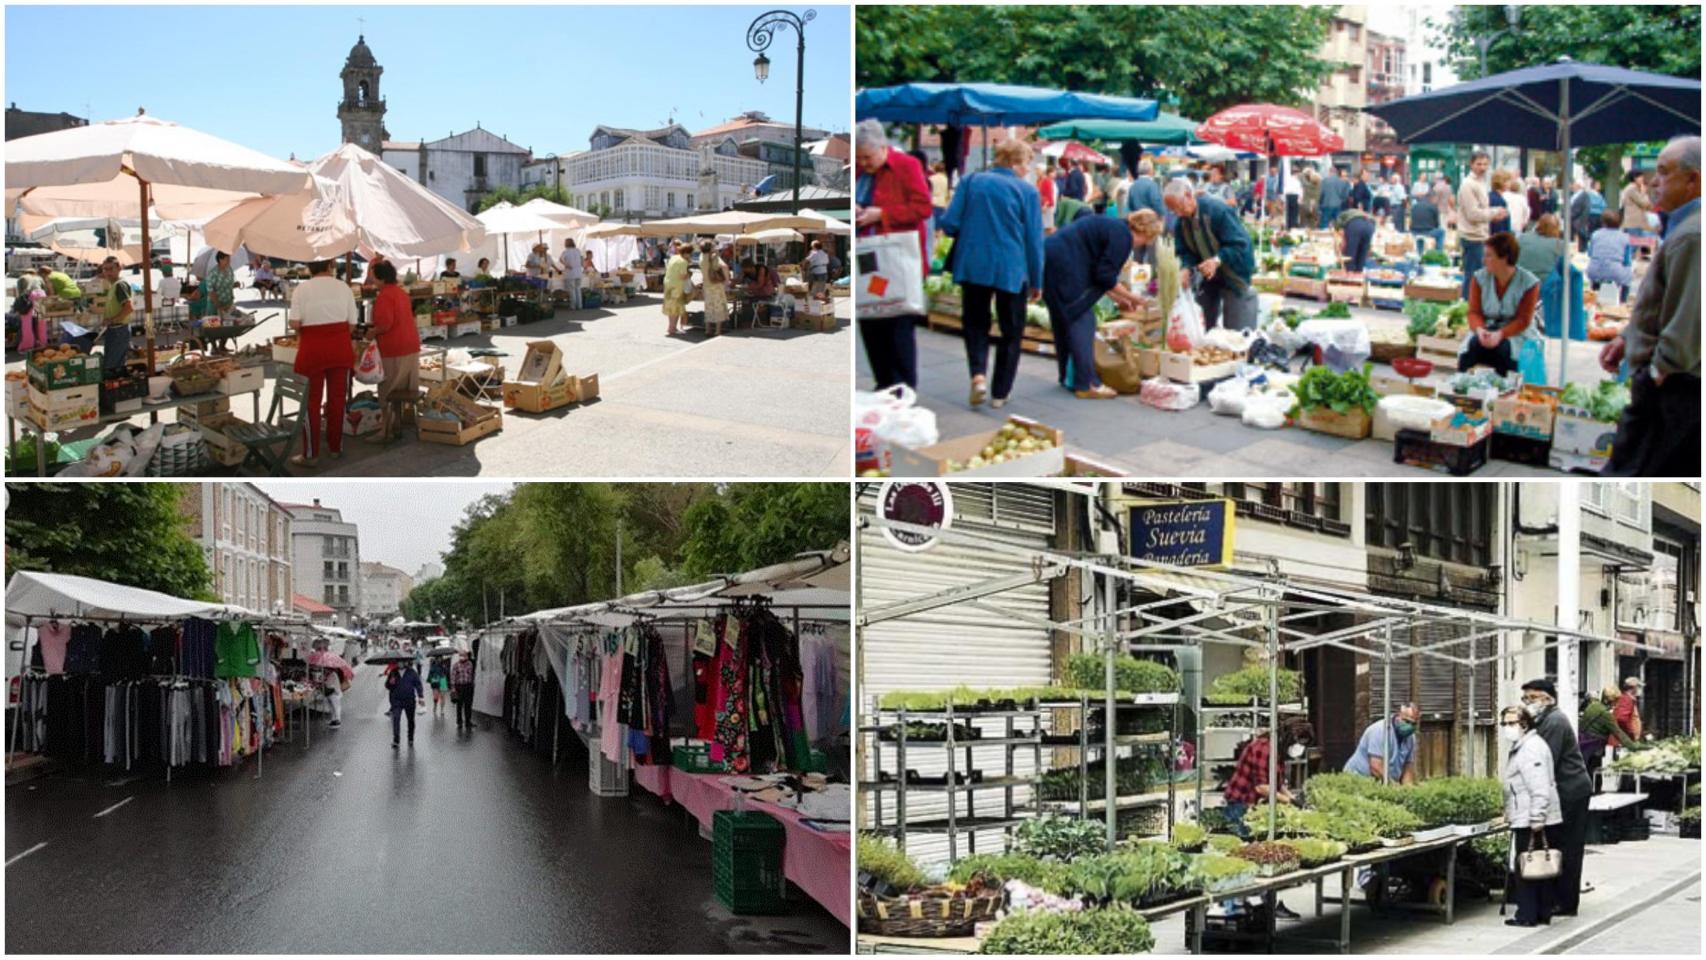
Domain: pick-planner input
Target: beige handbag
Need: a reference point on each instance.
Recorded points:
(1540, 863)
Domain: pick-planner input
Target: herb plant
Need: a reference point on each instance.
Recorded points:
(884, 862)
(1040, 932)
(1059, 838)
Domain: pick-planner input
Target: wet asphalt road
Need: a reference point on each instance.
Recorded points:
(466, 843)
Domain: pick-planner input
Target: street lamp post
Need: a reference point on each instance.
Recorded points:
(758, 37)
(1484, 42)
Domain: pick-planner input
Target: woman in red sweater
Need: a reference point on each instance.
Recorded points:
(893, 197)
(399, 351)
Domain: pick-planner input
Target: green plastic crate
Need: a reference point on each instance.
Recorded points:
(746, 862)
(695, 758)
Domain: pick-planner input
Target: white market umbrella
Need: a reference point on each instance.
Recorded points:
(203, 260)
(612, 229)
(507, 223)
(565, 215)
(123, 167)
(783, 235)
(358, 204)
(826, 224)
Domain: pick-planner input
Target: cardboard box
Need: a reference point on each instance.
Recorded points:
(1574, 432)
(455, 433)
(1576, 463)
(1345, 292)
(1077, 466)
(1529, 413)
(465, 328)
(434, 332)
(1305, 287)
(1468, 432)
(78, 371)
(932, 461)
(242, 380)
(537, 397)
(284, 353)
(1439, 293)
(65, 409)
(1149, 362)
(195, 413)
(1388, 383)
(1179, 368)
(818, 322)
(584, 388)
(542, 364)
(1355, 424)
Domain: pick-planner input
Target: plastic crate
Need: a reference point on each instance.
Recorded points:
(695, 758)
(1417, 448)
(604, 778)
(746, 861)
(1509, 446)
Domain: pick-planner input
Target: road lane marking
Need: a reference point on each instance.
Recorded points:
(113, 807)
(25, 853)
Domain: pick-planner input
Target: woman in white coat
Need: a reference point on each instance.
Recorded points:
(1532, 809)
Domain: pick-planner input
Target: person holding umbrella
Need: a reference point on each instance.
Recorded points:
(404, 683)
(337, 677)
(438, 678)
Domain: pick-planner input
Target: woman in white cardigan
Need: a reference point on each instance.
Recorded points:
(1532, 810)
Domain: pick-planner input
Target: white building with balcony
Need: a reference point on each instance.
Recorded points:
(327, 556)
(382, 590)
(649, 174)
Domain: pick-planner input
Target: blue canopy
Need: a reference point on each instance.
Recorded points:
(994, 105)
(1528, 108)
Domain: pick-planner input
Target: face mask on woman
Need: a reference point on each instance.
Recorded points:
(1512, 732)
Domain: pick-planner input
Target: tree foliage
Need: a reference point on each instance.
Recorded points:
(128, 533)
(520, 195)
(1206, 57)
(554, 544)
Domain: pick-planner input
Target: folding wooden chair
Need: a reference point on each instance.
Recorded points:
(270, 440)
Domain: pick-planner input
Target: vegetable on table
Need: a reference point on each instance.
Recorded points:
(1320, 387)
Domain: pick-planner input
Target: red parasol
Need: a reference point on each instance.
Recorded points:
(331, 661)
(1077, 152)
(1270, 129)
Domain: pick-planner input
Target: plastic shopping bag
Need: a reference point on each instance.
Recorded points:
(1531, 361)
(1228, 396)
(369, 370)
(888, 279)
(1266, 411)
(1184, 325)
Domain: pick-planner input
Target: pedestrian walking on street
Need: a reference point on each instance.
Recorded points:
(675, 286)
(438, 678)
(1533, 811)
(404, 683)
(462, 690)
(1570, 773)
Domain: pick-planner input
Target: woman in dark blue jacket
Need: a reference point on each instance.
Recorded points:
(996, 220)
(1082, 263)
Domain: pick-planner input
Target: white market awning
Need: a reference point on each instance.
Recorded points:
(38, 595)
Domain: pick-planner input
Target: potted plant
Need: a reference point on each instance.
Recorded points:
(1189, 836)
(1688, 822)
(1059, 838)
(895, 901)
(1314, 852)
(1219, 873)
(1271, 859)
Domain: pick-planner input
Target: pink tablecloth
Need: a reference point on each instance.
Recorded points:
(817, 862)
(655, 779)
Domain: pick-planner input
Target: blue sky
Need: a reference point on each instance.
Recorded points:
(543, 76)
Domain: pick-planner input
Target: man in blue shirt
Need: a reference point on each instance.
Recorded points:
(1145, 193)
(404, 684)
(1381, 750)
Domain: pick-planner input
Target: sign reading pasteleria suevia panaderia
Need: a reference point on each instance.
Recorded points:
(1193, 533)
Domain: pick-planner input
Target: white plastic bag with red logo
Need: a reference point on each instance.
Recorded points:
(369, 369)
(888, 277)
(886, 417)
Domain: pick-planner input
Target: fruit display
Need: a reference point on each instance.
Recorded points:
(1011, 442)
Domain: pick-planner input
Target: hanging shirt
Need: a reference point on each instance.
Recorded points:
(237, 651)
(53, 637)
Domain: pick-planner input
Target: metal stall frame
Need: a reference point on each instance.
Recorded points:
(1239, 609)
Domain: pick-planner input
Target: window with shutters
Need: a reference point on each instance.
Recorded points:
(1309, 506)
(1451, 522)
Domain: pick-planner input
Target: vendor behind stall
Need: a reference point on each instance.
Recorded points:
(1081, 264)
(58, 284)
(1596, 729)
(1248, 784)
(115, 319)
(399, 343)
(449, 271)
(1388, 747)
(1502, 299)
(218, 289)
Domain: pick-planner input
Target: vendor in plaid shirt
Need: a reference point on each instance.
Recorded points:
(1248, 784)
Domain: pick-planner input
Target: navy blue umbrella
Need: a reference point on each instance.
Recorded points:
(1558, 106)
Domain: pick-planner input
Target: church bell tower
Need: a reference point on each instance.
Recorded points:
(362, 111)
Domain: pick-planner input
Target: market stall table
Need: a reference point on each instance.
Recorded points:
(152, 409)
(816, 861)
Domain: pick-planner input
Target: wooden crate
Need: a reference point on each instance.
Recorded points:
(1306, 288)
(1355, 425)
(454, 434)
(1345, 292)
(1178, 368)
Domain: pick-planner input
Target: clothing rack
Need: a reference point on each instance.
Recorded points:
(55, 616)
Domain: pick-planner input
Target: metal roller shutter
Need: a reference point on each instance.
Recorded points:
(957, 645)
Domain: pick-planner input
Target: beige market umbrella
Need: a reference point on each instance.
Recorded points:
(613, 229)
(506, 222)
(826, 224)
(357, 204)
(729, 221)
(120, 168)
(782, 235)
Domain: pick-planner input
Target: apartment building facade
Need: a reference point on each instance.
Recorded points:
(245, 537)
(327, 552)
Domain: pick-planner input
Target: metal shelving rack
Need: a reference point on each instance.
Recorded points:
(956, 823)
(1260, 709)
(1086, 744)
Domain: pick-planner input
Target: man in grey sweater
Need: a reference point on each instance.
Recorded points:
(1659, 435)
(1570, 772)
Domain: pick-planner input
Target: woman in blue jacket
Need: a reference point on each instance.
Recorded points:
(1082, 263)
(996, 220)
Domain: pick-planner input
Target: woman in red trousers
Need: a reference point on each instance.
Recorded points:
(322, 311)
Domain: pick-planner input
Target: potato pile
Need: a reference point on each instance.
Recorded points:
(1208, 356)
(1011, 442)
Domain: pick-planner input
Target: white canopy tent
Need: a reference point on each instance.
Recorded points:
(40, 595)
